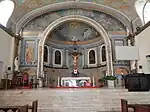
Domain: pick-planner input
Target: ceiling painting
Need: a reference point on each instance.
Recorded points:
(25, 6)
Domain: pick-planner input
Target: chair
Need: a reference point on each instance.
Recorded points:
(142, 109)
(124, 105)
(23, 108)
(34, 106)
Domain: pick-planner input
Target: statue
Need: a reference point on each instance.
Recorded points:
(75, 54)
(133, 66)
(16, 63)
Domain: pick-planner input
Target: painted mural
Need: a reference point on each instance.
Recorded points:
(108, 22)
(29, 52)
(74, 31)
(25, 6)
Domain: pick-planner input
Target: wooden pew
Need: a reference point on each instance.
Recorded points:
(125, 106)
(142, 109)
(23, 109)
(33, 107)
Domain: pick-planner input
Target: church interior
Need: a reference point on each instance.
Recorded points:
(84, 48)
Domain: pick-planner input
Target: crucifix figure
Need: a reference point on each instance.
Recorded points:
(75, 54)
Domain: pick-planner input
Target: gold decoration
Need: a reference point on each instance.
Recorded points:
(74, 25)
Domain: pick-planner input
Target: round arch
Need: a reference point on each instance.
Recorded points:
(84, 19)
(73, 4)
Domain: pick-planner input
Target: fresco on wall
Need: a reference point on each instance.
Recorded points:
(109, 23)
(74, 31)
(25, 6)
(29, 52)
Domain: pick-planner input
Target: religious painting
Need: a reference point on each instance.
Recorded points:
(29, 52)
(121, 71)
(57, 57)
(92, 57)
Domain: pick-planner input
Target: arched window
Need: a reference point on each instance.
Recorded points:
(146, 12)
(57, 57)
(103, 52)
(6, 9)
(92, 57)
(45, 54)
(143, 10)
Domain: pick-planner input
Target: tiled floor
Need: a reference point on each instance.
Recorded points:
(73, 100)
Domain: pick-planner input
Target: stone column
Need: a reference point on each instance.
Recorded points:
(67, 58)
(64, 59)
(83, 63)
(98, 56)
(85, 59)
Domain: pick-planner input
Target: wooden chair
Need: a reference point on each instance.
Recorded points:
(23, 109)
(34, 106)
(140, 108)
(124, 105)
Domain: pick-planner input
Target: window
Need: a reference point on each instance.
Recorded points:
(143, 10)
(6, 9)
(92, 57)
(103, 54)
(45, 54)
(57, 57)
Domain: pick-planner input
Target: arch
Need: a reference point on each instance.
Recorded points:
(58, 57)
(6, 10)
(73, 4)
(84, 19)
(92, 57)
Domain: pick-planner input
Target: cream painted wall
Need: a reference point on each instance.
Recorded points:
(6, 50)
(143, 42)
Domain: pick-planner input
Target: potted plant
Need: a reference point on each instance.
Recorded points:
(101, 82)
(110, 81)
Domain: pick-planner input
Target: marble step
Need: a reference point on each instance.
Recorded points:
(73, 100)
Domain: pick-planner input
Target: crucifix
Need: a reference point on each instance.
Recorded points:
(75, 54)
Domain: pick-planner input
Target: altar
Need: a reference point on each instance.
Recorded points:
(75, 81)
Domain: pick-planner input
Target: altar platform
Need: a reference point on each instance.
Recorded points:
(73, 99)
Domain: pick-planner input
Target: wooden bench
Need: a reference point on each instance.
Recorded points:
(142, 108)
(15, 108)
(125, 105)
(23, 108)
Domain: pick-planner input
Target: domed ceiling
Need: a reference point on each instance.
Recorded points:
(74, 31)
(25, 6)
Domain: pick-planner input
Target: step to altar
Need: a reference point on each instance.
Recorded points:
(73, 99)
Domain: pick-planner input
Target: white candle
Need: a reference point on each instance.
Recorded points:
(93, 82)
(58, 85)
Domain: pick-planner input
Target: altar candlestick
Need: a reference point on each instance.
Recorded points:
(93, 82)
(58, 84)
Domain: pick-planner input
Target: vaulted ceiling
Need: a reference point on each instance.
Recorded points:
(23, 7)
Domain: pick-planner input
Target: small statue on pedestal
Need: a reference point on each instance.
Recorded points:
(16, 63)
